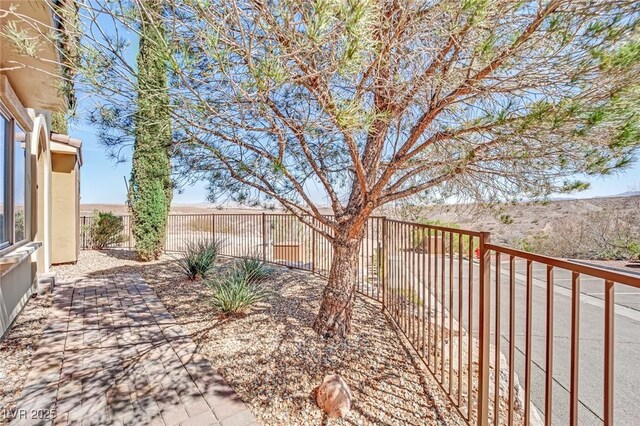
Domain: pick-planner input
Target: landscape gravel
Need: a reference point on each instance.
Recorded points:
(274, 360)
(17, 349)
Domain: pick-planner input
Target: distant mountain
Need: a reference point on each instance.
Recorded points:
(511, 221)
(624, 194)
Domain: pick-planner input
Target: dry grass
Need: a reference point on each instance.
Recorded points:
(274, 360)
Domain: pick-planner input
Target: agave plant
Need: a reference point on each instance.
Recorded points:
(253, 269)
(199, 258)
(235, 293)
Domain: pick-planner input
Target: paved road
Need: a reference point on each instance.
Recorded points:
(627, 339)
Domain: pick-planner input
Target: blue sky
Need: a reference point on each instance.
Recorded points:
(102, 179)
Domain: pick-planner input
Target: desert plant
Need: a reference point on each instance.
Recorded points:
(19, 225)
(199, 258)
(235, 293)
(506, 219)
(253, 269)
(202, 224)
(420, 236)
(151, 188)
(106, 229)
(599, 235)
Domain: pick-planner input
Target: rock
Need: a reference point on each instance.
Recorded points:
(334, 396)
(44, 288)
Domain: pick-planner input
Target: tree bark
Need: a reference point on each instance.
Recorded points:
(334, 317)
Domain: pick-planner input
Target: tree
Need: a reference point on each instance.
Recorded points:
(379, 101)
(151, 189)
(373, 102)
(131, 98)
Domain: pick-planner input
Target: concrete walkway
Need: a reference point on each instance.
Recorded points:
(112, 354)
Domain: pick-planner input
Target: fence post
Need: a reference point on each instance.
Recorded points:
(264, 237)
(313, 250)
(213, 226)
(383, 261)
(484, 330)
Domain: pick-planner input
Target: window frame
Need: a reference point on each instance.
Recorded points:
(25, 183)
(7, 207)
(9, 182)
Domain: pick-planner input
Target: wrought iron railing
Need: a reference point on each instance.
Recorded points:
(466, 306)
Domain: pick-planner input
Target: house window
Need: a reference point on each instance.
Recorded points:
(19, 182)
(13, 195)
(4, 187)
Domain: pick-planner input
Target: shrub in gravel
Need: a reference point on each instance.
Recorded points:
(235, 292)
(199, 258)
(253, 269)
(106, 229)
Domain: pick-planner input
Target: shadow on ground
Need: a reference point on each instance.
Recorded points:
(274, 360)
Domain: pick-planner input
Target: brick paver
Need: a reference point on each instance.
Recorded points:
(112, 354)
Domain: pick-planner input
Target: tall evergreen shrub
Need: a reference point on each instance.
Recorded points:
(151, 187)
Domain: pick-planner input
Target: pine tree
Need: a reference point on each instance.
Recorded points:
(151, 186)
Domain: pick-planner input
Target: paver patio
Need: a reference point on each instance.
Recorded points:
(112, 354)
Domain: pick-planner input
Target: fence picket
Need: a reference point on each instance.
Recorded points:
(403, 266)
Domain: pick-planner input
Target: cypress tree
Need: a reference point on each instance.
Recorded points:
(151, 188)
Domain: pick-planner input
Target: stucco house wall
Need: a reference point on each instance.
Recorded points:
(65, 220)
(50, 203)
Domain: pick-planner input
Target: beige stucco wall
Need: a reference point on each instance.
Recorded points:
(64, 208)
(25, 91)
(40, 174)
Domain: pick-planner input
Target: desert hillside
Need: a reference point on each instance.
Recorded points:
(506, 222)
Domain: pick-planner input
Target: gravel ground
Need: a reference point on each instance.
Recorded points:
(17, 348)
(274, 360)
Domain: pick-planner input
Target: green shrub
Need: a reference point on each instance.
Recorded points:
(151, 187)
(253, 269)
(506, 219)
(409, 296)
(105, 230)
(598, 235)
(420, 236)
(235, 293)
(19, 225)
(199, 258)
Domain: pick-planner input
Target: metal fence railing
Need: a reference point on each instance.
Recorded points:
(498, 328)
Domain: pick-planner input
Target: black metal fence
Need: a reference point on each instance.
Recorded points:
(274, 237)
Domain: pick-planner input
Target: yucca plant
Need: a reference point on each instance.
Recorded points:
(235, 293)
(199, 258)
(253, 269)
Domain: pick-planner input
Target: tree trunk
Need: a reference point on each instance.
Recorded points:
(334, 317)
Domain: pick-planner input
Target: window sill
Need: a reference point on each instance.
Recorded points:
(13, 257)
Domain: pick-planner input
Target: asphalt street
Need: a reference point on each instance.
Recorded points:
(591, 378)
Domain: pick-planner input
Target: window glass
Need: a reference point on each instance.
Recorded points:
(4, 204)
(19, 182)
